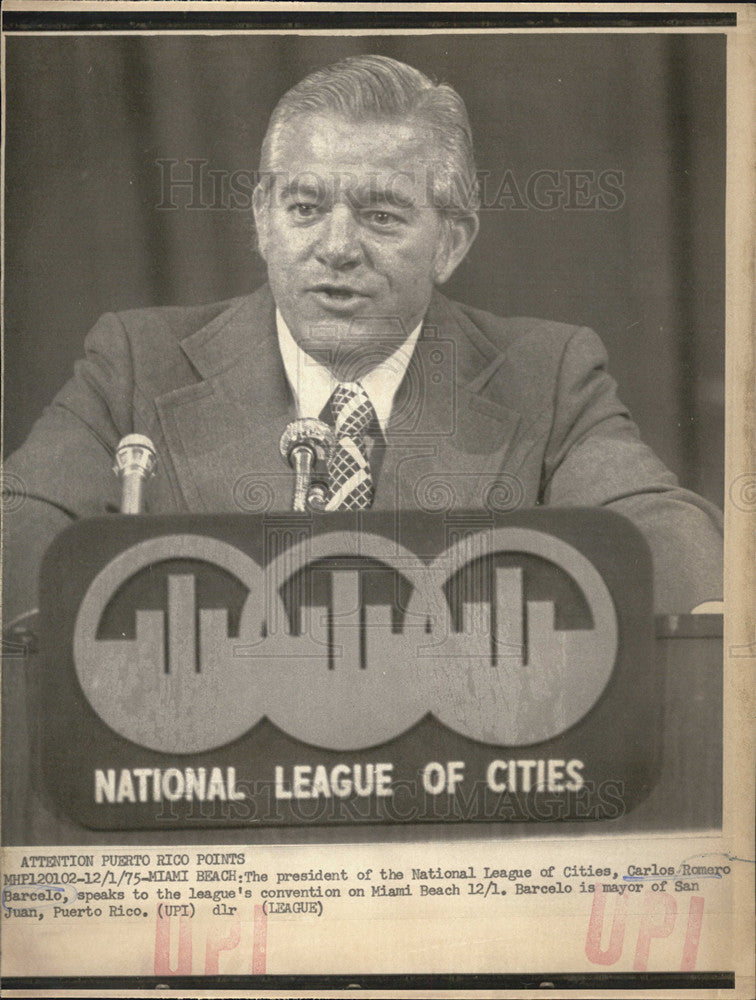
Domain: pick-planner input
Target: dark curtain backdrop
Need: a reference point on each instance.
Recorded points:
(88, 230)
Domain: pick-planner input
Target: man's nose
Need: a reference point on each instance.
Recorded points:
(338, 243)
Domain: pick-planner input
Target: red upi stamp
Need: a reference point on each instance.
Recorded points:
(608, 939)
(178, 946)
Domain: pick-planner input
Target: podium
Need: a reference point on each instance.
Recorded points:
(293, 678)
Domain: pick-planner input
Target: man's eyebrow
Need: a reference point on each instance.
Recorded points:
(365, 195)
(371, 194)
(300, 188)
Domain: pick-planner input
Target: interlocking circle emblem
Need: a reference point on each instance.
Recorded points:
(461, 638)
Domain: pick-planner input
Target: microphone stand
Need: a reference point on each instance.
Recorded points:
(302, 444)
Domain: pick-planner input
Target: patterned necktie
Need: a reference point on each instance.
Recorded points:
(348, 466)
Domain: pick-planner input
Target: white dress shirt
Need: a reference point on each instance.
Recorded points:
(312, 383)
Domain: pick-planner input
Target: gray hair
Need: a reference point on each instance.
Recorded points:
(375, 88)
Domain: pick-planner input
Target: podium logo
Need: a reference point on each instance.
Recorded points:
(183, 643)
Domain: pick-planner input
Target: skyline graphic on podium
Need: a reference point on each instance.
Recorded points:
(459, 638)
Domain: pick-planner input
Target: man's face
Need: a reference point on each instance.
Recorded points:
(352, 242)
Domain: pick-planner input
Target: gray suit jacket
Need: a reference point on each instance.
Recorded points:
(492, 412)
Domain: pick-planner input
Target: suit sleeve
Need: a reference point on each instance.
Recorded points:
(64, 469)
(595, 457)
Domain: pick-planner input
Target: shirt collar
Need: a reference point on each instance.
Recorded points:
(312, 383)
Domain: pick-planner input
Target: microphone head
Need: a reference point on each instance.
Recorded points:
(317, 497)
(309, 433)
(135, 453)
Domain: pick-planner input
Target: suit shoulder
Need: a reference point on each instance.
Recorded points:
(172, 322)
(506, 332)
(521, 359)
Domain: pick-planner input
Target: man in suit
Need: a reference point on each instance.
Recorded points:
(367, 204)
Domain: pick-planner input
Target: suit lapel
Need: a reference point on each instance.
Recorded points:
(447, 442)
(223, 431)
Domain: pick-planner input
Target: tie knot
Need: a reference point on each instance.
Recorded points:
(352, 410)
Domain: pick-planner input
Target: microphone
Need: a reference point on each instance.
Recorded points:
(303, 443)
(135, 461)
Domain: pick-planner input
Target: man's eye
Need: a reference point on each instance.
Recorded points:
(304, 209)
(381, 218)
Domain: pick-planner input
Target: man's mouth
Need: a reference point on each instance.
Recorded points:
(337, 292)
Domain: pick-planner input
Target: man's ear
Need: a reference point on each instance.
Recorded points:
(261, 207)
(458, 236)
